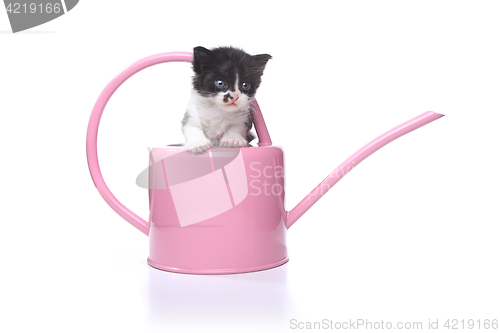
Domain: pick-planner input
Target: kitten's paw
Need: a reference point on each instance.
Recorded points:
(197, 147)
(233, 143)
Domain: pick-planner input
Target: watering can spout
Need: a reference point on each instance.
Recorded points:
(356, 158)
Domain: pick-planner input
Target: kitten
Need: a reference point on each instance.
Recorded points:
(224, 84)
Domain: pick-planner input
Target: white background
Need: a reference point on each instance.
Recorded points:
(412, 234)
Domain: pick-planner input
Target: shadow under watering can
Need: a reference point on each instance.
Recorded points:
(222, 211)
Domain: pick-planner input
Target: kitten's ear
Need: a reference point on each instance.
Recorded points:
(202, 58)
(261, 61)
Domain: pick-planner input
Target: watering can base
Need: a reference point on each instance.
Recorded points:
(217, 271)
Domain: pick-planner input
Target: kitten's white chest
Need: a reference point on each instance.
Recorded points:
(214, 128)
(205, 120)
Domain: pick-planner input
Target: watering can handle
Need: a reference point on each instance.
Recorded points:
(95, 172)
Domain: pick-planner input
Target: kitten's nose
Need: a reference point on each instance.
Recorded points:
(235, 96)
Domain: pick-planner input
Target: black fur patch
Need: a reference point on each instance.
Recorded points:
(227, 97)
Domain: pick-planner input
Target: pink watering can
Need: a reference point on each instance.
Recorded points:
(222, 211)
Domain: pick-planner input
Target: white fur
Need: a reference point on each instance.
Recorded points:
(213, 122)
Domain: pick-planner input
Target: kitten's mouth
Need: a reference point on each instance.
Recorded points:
(232, 104)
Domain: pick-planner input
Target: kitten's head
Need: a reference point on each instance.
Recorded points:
(229, 77)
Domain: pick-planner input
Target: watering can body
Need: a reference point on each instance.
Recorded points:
(222, 211)
(217, 212)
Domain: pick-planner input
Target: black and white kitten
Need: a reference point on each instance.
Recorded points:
(224, 84)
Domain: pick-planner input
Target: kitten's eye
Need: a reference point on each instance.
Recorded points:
(245, 86)
(220, 84)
